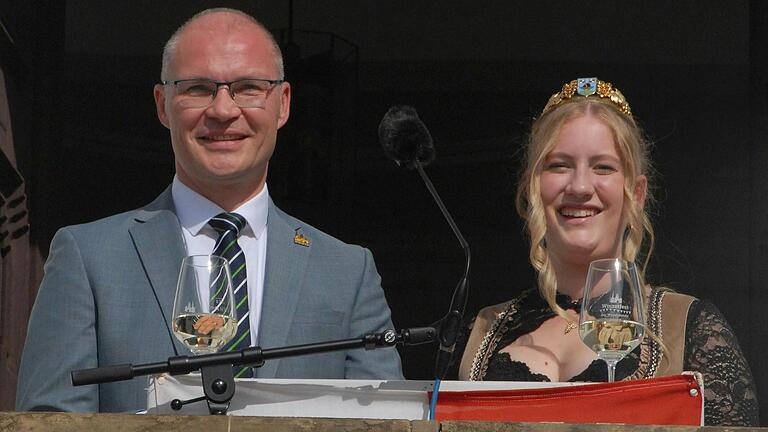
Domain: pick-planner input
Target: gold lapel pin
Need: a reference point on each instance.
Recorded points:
(299, 238)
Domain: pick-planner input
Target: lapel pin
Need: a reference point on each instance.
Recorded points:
(299, 239)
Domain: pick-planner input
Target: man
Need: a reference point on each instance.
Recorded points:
(108, 289)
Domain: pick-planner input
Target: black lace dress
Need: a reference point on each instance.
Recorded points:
(711, 348)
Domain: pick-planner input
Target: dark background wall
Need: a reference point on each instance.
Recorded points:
(695, 73)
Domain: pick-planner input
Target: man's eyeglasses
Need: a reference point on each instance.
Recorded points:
(200, 93)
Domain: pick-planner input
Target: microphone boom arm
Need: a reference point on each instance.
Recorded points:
(216, 368)
(446, 214)
(448, 327)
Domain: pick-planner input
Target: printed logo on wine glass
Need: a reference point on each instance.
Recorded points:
(615, 311)
(189, 308)
(613, 306)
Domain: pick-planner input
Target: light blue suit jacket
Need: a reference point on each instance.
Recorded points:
(107, 295)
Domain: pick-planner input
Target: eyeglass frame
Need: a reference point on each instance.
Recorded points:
(228, 84)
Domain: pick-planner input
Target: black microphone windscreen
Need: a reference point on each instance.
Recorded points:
(405, 138)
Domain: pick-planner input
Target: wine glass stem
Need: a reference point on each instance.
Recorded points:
(611, 369)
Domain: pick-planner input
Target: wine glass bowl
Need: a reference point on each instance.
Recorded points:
(204, 313)
(612, 318)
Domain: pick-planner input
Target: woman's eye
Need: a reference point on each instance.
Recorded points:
(605, 169)
(557, 166)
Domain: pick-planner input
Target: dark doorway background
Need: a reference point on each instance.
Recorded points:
(695, 72)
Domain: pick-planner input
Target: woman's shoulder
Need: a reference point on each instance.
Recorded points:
(670, 292)
(666, 302)
(481, 330)
(491, 313)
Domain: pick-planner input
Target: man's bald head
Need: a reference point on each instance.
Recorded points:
(203, 20)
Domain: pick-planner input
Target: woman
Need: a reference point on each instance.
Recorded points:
(582, 196)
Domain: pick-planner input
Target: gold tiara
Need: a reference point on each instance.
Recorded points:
(587, 87)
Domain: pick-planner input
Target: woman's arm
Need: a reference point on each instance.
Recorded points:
(712, 349)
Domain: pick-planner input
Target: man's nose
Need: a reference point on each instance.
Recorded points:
(223, 107)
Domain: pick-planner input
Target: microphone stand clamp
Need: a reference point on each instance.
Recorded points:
(218, 386)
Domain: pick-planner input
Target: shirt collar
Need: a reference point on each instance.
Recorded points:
(194, 210)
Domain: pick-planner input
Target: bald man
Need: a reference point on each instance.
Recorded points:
(107, 295)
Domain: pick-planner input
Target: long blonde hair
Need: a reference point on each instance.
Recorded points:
(633, 150)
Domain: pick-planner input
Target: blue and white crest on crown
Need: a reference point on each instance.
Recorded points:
(586, 86)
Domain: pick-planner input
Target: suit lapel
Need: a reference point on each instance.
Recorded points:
(159, 244)
(285, 267)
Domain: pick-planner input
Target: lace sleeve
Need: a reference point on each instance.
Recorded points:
(711, 348)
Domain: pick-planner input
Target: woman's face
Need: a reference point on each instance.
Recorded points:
(582, 189)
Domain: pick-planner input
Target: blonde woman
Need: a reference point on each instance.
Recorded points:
(582, 195)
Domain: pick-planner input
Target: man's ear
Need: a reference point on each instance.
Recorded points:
(285, 104)
(162, 115)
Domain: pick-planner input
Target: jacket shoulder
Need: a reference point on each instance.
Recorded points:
(305, 233)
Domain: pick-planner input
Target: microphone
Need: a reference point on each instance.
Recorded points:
(406, 140)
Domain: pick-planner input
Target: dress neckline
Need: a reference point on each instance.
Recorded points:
(524, 315)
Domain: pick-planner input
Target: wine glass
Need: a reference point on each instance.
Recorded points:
(204, 313)
(612, 319)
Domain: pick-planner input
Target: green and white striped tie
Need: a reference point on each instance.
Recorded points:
(228, 225)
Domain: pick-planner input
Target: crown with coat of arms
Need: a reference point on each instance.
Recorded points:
(587, 87)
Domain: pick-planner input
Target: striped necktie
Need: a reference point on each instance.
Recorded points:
(228, 225)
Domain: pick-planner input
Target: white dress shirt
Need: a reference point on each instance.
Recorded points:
(194, 212)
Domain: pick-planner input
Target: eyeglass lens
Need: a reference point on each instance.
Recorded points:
(251, 93)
